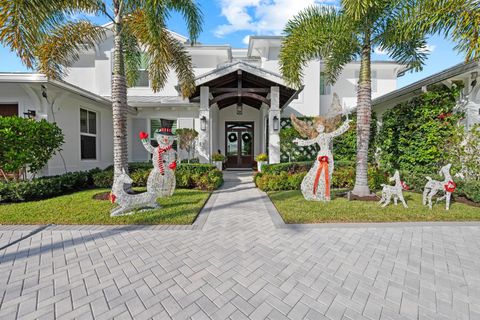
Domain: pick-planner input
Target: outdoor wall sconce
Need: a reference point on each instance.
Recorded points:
(239, 109)
(276, 123)
(30, 114)
(203, 123)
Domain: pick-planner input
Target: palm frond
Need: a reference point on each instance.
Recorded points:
(132, 56)
(23, 24)
(191, 13)
(457, 19)
(164, 51)
(317, 32)
(61, 48)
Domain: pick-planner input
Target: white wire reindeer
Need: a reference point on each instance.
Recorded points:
(127, 203)
(395, 191)
(434, 186)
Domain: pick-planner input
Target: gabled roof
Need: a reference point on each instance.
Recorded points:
(243, 83)
(240, 65)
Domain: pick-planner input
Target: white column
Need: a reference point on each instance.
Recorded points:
(203, 145)
(274, 135)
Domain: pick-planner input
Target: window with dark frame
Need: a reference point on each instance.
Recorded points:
(143, 80)
(88, 135)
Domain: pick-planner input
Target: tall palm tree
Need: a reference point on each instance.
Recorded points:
(341, 35)
(44, 35)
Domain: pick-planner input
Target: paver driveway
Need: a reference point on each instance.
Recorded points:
(238, 266)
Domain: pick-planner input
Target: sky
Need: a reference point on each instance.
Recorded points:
(233, 21)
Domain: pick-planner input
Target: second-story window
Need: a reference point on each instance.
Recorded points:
(325, 89)
(143, 79)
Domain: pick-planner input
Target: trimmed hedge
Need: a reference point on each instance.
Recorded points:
(288, 176)
(199, 176)
(190, 176)
(47, 187)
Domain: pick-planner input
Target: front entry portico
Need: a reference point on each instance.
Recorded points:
(244, 101)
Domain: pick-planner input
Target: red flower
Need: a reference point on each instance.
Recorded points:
(173, 165)
(450, 186)
(143, 135)
(404, 185)
(112, 198)
(323, 158)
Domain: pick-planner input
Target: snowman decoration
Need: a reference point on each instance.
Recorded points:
(162, 178)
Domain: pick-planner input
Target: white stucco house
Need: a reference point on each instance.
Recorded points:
(239, 102)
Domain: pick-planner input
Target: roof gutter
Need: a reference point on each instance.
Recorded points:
(433, 79)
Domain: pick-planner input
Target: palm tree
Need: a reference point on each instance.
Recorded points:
(339, 36)
(44, 35)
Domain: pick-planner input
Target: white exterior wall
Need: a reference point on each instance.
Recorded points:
(141, 122)
(14, 93)
(67, 116)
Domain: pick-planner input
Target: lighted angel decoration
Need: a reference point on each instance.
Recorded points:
(316, 184)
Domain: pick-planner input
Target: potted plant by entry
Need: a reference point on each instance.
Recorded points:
(261, 159)
(218, 159)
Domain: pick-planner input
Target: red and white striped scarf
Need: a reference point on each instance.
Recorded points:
(161, 151)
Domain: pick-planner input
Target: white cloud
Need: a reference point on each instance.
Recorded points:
(246, 40)
(380, 51)
(264, 17)
(429, 48)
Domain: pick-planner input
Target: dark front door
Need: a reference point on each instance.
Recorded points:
(239, 144)
(8, 110)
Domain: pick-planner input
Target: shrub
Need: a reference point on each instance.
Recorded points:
(28, 144)
(186, 140)
(47, 187)
(103, 179)
(291, 167)
(218, 157)
(261, 157)
(201, 176)
(289, 176)
(192, 161)
(277, 182)
(470, 190)
(413, 134)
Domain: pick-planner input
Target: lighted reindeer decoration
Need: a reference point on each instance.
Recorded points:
(128, 203)
(432, 187)
(395, 191)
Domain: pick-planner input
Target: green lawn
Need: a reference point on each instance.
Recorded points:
(295, 209)
(81, 208)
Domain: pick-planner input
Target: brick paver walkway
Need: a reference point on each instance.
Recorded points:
(239, 266)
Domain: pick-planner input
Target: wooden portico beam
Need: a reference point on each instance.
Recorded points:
(242, 94)
(239, 88)
(243, 90)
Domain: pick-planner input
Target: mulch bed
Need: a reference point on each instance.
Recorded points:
(352, 197)
(466, 201)
(102, 196)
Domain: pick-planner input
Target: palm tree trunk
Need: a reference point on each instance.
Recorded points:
(364, 117)
(119, 97)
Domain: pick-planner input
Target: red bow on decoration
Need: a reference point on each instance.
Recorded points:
(450, 186)
(173, 165)
(323, 166)
(112, 197)
(143, 135)
(404, 185)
